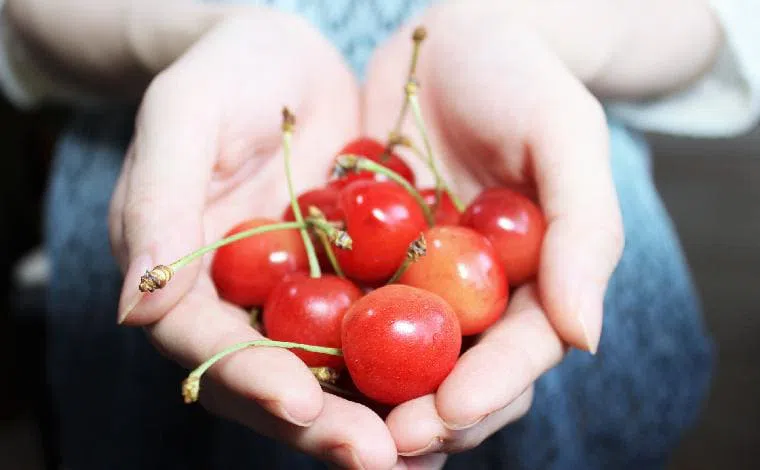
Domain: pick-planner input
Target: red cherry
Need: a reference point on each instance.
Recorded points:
(446, 213)
(307, 310)
(325, 199)
(382, 219)
(514, 224)
(462, 267)
(400, 343)
(246, 271)
(375, 151)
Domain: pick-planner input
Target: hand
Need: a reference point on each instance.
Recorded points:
(502, 109)
(206, 154)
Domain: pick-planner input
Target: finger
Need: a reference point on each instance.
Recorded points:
(174, 149)
(584, 238)
(345, 433)
(199, 327)
(504, 363)
(418, 430)
(115, 210)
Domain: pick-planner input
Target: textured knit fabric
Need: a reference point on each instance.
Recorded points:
(118, 400)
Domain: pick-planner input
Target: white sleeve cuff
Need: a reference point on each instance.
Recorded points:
(725, 102)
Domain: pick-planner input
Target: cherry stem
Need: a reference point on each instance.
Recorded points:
(356, 163)
(417, 249)
(440, 185)
(330, 254)
(255, 315)
(418, 36)
(288, 122)
(191, 385)
(157, 277)
(403, 141)
(325, 374)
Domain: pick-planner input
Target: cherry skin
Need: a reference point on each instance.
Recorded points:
(462, 267)
(246, 271)
(400, 343)
(373, 150)
(514, 224)
(307, 310)
(446, 213)
(325, 199)
(382, 219)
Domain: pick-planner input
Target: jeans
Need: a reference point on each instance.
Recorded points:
(117, 400)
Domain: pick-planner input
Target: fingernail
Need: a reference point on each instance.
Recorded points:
(133, 295)
(345, 456)
(435, 445)
(587, 317)
(278, 409)
(461, 427)
(400, 465)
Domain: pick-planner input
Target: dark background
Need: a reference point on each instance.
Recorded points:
(710, 187)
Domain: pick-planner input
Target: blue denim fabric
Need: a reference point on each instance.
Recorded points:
(118, 400)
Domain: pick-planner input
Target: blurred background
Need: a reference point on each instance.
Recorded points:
(711, 189)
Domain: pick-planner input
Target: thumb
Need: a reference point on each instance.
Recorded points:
(162, 214)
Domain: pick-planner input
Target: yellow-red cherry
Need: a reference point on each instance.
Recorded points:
(462, 267)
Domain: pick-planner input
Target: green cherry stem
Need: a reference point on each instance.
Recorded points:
(350, 162)
(440, 185)
(192, 384)
(288, 122)
(161, 274)
(418, 36)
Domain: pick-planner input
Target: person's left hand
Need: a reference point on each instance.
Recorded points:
(503, 110)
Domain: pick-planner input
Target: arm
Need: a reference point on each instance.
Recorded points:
(88, 47)
(629, 49)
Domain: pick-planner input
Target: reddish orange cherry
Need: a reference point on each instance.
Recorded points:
(462, 267)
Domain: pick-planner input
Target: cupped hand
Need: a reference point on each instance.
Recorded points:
(503, 110)
(206, 155)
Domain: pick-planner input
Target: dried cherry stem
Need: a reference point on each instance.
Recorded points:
(192, 384)
(254, 317)
(418, 36)
(325, 374)
(417, 249)
(329, 235)
(349, 162)
(160, 275)
(414, 103)
(288, 122)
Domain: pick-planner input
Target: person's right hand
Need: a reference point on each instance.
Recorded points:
(206, 154)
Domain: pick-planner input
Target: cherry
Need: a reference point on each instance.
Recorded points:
(446, 212)
(400, 343)
(245, 272)
(463, 268)
(514, 224)
(303, 309)
(325, 199)
(375, 151)
(382, 219)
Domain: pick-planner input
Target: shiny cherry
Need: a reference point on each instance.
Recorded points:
(246, 271)
(325, 199)
(462, 267)
(375, 151)
(446, 212)
(382, 219)
(400, 343)
(307, 310)
(514, 224)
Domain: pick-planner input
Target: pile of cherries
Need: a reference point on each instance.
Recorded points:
(392, 277)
